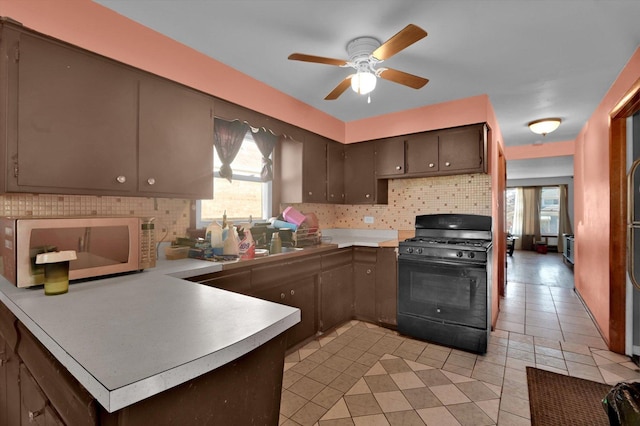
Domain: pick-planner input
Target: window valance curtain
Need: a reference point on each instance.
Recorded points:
(228, 137)
(266, 141)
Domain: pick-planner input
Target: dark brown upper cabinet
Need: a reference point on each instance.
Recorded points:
(175, 140)
(335, 172)
(303, 170)
(360, 183)
(79, 123)
(390, 158)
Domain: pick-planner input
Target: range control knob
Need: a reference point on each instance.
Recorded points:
(471, 255)
(420, 250)
(459, 254)
(409, 250)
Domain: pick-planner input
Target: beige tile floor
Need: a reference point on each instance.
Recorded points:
(362, 374)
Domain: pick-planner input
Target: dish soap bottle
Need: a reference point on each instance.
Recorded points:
(276, 244)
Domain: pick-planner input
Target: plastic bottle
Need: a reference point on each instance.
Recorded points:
(276, 245)
(214, 236)
(231, 243)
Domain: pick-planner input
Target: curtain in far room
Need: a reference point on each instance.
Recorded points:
(530, 217)
(564, 221)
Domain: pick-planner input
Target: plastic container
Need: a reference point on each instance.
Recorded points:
(214, 234)
(292, 215)
(231, 243)
(56, 270)
(286, 225)
(276, 244)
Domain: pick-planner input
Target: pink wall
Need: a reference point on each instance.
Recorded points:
(93, 27)
(591, 200)
(431, 117)
(551, 149)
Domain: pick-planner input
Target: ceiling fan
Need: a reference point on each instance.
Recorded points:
(365, 53)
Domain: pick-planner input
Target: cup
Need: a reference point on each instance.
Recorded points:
(56, 270)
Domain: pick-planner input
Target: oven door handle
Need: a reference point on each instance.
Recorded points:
(445, 262)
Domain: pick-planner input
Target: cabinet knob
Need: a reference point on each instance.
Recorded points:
(310, 193)
(121, 179)
(331, 195)
(151, 181)
(431, 165)
(447, 164)
(368, 271)
(293, 292)
(368, 196)
(398, 167)
(34, 414)
(281, 295)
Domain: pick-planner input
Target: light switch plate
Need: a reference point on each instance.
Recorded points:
(368, 219)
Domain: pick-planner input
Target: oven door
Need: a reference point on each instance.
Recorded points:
(443, 291)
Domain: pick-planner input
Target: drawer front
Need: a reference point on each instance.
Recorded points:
(74, 404)
(281, 272)
(365, 254)
(8, 327)
(337, 259)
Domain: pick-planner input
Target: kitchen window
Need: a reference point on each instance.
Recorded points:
(246, 196)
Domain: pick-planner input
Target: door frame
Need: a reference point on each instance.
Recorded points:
(626, 107)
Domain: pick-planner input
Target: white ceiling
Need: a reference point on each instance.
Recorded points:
(534, 59)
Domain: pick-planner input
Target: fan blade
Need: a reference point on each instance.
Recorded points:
(405, 38)
(403, 78)
(317, 59)
(339, 90)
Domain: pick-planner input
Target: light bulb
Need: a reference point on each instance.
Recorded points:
(363, 82)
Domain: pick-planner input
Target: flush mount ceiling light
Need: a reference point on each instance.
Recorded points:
(544, 125)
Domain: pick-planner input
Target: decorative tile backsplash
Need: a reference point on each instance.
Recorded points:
(172, 215)
(408, 198)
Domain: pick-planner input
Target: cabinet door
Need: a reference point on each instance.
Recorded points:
(314, 170)
(33, 403)
(390, 157)
(387, 286)
(237, 281)
(364, 286)
(335, 172)
(9, 385)
(422, 153)
(336, 296)
(176, 140)
(359, 185)
(302, 295)
(77, 122)
(461, 149)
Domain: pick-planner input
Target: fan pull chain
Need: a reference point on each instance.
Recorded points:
(369, 99)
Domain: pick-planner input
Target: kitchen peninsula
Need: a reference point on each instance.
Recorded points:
(152, 348)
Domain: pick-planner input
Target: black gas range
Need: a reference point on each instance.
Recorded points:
(444, 281)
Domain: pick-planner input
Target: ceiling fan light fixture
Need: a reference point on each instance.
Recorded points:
(363, 82)
(544, 125)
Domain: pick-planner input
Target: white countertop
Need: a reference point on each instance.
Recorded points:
(359, 237)
(130, 337)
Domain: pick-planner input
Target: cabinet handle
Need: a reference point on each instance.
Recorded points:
(431, 165)
(447, 164)
(368, 271)
(121, 179)
(3, 361)
(398, 167)
(281, 295)
(151, 181)
(34, 414)
(368, 196)
(293, 292)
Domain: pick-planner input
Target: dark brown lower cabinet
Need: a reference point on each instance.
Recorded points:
(238, 281)
(387, 286)
(336, 289)
(34, 406)
(9, 384)
(364, 283)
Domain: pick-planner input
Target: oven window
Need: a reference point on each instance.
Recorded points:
(447, 293)
(444, 290)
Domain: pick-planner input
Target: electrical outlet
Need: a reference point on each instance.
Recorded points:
(368, 219)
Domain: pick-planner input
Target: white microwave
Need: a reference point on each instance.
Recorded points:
(103, 246)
